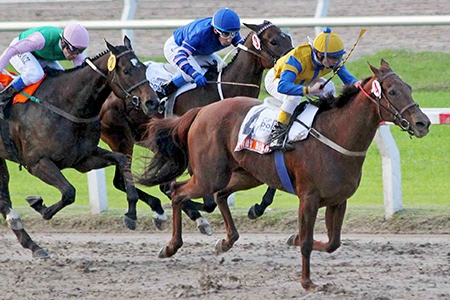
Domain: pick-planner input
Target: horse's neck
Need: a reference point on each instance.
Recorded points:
(86, 91)
(352, 126)
(245, 68)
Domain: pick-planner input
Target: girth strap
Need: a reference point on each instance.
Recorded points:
(282, 172)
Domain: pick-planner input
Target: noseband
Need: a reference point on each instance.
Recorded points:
(135, 100)
(391, 109)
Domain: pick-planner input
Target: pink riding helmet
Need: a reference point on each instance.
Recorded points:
(76, 35)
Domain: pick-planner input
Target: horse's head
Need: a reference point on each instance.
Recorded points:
(127, 77)
(395, 103)
(269, 41)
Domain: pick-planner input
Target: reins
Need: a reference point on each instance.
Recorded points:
(246, 49)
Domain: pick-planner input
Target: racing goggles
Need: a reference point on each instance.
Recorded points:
(71, 48)
(227, 35)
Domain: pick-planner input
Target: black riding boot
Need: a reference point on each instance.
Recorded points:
(6, 97)
(278, 138)
(166, 90)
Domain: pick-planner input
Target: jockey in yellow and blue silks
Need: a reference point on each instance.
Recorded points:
(37, 48)
(197, 42)
(299, 73)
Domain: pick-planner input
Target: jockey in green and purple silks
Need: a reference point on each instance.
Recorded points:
(197, 42)
(37, 48)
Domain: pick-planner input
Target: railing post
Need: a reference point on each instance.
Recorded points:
(129, 10)
(392, 177)
(321, 12)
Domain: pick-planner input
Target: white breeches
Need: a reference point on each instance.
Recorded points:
(290, 102)
(171, 48)
(30, 68)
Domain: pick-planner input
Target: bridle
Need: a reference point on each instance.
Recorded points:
(396, 114)
(272, 57)
(135, 100)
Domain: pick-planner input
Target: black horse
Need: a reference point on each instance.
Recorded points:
(61, 129)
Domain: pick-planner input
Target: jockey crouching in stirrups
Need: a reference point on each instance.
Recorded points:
(37, 48)
(196, 43)
(298, 74)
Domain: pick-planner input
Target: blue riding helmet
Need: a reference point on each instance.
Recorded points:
(226, 20)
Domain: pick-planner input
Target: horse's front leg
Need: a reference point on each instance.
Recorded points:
(334, 218)
(49, 173)
(307, 214)
(102, 158)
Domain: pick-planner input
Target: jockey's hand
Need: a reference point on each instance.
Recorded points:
(315, 89)
(200, 80)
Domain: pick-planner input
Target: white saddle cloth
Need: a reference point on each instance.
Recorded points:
(256, 128)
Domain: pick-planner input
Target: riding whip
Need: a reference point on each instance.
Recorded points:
(345, 59)
(234, 83)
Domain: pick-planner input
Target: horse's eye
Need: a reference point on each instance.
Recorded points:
(273, 43)
(392, 92)
(126, 71)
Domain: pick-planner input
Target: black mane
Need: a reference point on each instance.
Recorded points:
(55, 72)
(330, 102)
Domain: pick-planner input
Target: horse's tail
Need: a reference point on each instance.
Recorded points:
(167, 138)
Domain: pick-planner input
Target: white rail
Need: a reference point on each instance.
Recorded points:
(281, 22)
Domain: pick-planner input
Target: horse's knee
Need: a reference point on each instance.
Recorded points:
(69, 196)
(210, 207)
(306, 247)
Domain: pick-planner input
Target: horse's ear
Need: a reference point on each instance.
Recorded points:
(385, 64)
(111, 48)
(127, 42)
(252, 27)
(375, 71)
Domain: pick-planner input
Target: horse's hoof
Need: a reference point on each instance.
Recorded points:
(41, 254)
(252, 213)
(203, 226)
(310, 286)
(291, 240)
(159, 220)
(163, 253)
(131, 224)
(218, 247)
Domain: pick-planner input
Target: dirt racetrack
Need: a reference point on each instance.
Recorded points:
(260, 266)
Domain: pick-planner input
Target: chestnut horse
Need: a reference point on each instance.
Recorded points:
(123, 125)
(322, 173)
(61, 129)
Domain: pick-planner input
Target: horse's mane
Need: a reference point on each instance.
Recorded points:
(55, 72)
(330, 101)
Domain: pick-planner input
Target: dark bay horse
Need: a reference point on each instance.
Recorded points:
(123, 125)
(62, 130)
(321, 175)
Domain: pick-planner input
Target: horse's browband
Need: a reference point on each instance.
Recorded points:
(380, 80)
(125, 52)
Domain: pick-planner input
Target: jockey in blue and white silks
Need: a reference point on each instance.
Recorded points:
(197, 42)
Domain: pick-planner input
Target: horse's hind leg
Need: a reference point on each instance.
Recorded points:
(257, 210)
(49, 173)
(101, 158)
(334, 218)
(191, 209)
(12, 218)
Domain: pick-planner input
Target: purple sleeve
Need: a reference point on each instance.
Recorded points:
(35, 41)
